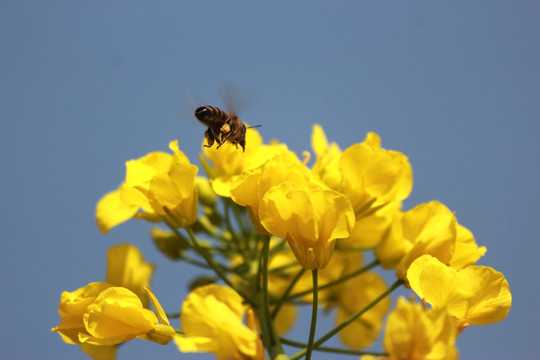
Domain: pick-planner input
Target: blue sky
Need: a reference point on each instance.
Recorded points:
(86, 86)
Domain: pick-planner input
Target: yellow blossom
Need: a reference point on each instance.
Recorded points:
(102, 314)
(414, 333)
(211, 320)
(426, 229)
(99, 352)
(327, 162)
(249, 188)
(466, 252)
(357, 294)
(373, 176)
(126, 267)
(72, 307)
(154, 182)
(476, 295)
(369, 230)
(225, 164)
(117, 315)
(173, 195)
(310, 217)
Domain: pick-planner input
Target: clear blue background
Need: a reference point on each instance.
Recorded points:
(85, 86)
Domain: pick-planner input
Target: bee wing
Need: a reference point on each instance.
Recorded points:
(235, 97)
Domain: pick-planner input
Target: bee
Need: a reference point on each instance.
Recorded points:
(222, 126)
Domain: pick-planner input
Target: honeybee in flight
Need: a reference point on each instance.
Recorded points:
(222, 126)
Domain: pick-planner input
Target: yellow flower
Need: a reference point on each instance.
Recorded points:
(126, 267)
(310, 217)
(154, 182)
(117, 315)
(426, 229)
(467, 252)
(72, 307)
(369, 231)
(99, 352)
(225, 164)
(211, 319)
(414, 333)
(102, 314)
(476, 295)
(358, 293)
(373, 176)
(327, 163)
(173, 194)
(249, 188)
(429, 228)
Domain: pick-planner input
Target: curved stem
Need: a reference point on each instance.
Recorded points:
(339, 281)
(331, 349)
(269, 334)
(215, 266)
(287, 292)
(355, 316)
(314, 309)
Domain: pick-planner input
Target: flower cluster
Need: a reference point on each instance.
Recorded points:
(279, 234)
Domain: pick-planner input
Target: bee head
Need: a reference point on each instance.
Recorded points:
(201, 112)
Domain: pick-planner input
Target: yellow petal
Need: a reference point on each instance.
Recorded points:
(229, 162)
(412, 333)
(111, 210)
(319, 142)
(116, 316)
(157, 306)
(467, 252)
(492, 297)
(211, 318)
(372, 175)
(438, 284)
(99, 352)
(362, 291)
(72, 307)
(140, 171)
(310, 216)
(431, 229)
(174, 194)
(127, 268)
(476, 295)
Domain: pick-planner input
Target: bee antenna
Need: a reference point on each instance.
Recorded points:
(254, 126)
(191, 101)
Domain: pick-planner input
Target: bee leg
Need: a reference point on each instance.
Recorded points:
(242, 143)
(209, 135)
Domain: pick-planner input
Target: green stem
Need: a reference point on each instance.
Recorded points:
(216, 267)
(269, 334)
(237, 241)
(331, 349)
(339, 281)
(287, 292)
(355, 316)
(314, 312)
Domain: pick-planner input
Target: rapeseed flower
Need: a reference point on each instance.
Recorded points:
(157, 186)
(211, 320)
(225, 164)
(415, 333)
(311, 217)
(102, 314)
(475, 295)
